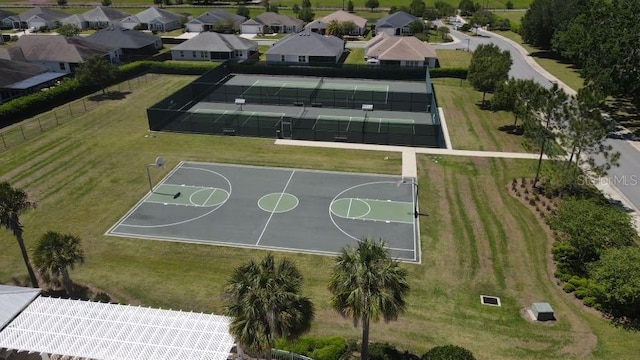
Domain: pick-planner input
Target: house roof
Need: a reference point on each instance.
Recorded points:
(271, 18)
(94, 330)
(117, 37)
(73, 19)
(343, 16)
(217, 16)
(211, 41)
(14, 299)
(408, 48)
(59, 48)
(157, 14)
(307, 43)
(43, 12)
(13, 71)
(396, 20)
(104, 14)
(5, 14)
(376, 39)
(35, 80)
(12, 53)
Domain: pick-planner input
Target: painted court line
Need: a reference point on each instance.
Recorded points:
(275, 207)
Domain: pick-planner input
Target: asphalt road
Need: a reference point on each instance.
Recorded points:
(625, 178)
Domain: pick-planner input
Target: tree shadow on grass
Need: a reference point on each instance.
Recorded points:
(512, 129)
(545, 54)
(111, 95)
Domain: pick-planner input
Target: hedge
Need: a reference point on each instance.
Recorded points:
(29, 105)
(329, 348)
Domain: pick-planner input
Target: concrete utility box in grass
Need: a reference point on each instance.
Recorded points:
(542, 311)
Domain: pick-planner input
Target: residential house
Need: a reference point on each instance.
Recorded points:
(216, 20)
(5, 19)
(35, 18)
(400, 51)
(134, 44)
(154, 18)
(18, 78)
(271, 23)
(320, 25)
(211, 46)
(396, 23)
(76, 20)
(62, 54)
(103, 16)
(306, 47)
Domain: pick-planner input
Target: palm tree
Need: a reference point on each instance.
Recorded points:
(367, 284)
(55, 254)
(264, 302)
(14, 202)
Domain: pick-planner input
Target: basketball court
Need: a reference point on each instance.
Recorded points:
(281, 209)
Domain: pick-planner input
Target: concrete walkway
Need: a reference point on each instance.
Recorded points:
(409, 163)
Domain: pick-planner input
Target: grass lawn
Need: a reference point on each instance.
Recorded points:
(472, 128)
(454, 58)
(515, 17)
(564, 71)
(356, 56)
(476, 239)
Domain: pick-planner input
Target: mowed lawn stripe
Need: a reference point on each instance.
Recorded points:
(467, 243)
(490, 225)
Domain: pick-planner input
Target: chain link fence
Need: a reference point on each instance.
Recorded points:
(21, 132)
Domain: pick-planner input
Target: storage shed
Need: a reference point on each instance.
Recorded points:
(542, 311)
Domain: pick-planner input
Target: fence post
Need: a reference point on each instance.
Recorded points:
(70, 110)
(56, 116)
(40, 124)
(84, 104)
(3, 142)
(22, 131)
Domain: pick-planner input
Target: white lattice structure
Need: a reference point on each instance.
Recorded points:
(96, 330)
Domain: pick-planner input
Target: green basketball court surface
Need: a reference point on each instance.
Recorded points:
(277, 209)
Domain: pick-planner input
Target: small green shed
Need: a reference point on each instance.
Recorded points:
(542, 311)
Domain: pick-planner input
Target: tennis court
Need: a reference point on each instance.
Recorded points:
(317, 90)
(281, 209)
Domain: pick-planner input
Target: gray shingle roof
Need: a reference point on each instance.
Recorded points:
(396, 20)
(309, 44)
(12, 71)
(59, 48)
(154, 13)
(211, 41)
(73, 19)
(13, 299)
(217, 16)
(270, 18)
(45, 13)
(117, 37)
(104, 14)
(5, 13)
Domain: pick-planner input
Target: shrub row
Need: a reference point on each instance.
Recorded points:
(69, 89)
(334, 348)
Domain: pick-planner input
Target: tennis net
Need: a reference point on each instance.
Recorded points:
(317, 88)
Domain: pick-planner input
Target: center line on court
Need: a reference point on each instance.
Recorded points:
(275, 207)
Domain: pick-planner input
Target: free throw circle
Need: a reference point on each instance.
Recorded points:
(350, 208)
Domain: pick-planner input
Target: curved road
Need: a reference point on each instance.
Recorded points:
(623, 182)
